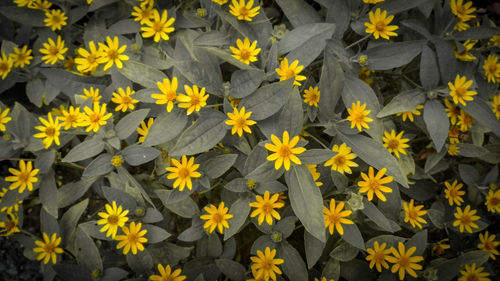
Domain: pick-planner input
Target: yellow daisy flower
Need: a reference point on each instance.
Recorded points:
(311, 96)
(461, 25)
(245, 52)
(493, 201)
(144, 129)
(452, 111)
(286, 71)
(47, 249)
(6, 63)
(87, 60)
(112, 53)
(439, 247)
(459, 91)
(395, 143)
(4, 119)
(409, 114)
(404, 262)
(53, 51)
(113, 218)
(373, 184)
(50, 131)
(167, 274)
(24, 3)
(495, 106)
(70, 117)
(379, 25)
(159, 27)
(465, 55)
(453, 193)
(216, 218)
(169, 93)
(358, 116)
(488, 244)
(93, 119)
(492, 69)
(133, 238)
(315, 174)
(194, 100)
(364, 74)
(243, 10)
(465, 219)
(336, 216)
(117, 161)
(183, 172)
(55, 19)
(240, 121)
(495, 40)
(91, 93)
(124, 100)
(9, 227)
(21, 57)
(265, 208)
(414, 213)
(265, 265)
(341, 162)
(377, 256)
(461, 10)
(284, 152)
(464, 121)
(142, 14)
(24, 177)
(472, 273)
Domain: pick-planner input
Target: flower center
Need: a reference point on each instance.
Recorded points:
(241, 122)
(3, 67)
(244, 54)
(21, 57)
(461, 92)
(91, 59)
(413, 214)
(157, 26)
(379, 256)
(217, 218)
(466, 220)
(339, 160)
(183, 173)
(195, 100)
(285, 151)
(94, 118)
(126, 100)
(10, 225)
(171, 95)
(472, 277)
(453, 192)
(49, 248)
(71, 118)
(290, 73)
(113, 219)
(267, 208)
(112, 54)
(133, 238)
(267, 265)
(251, 184)
(53, 50)
(488, 245)
(374, 185)
(380, 26)
(24, 177)
(404, 262)
(56, 20)
(359, 117)
(335, 218)
(393, 144)
(244, 11)
(493, 68)
(50, 131)
(494, 201)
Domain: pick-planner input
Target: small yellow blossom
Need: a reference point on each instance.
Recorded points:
(379, 25)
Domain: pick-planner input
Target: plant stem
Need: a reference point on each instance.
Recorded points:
(357, 42)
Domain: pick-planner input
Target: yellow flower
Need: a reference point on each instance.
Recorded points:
(453, 150)
(461, 25)
(21, 57)
(459, 91)
(284, 152)
(22, 3)
(124, 99)
(372, 2)
(379, 25)
(464, 121)
(113, 218)
(6, 63)
(461, 10)
(144, 129)
(220, 2)
(117, 161)
(90, 1)
(492, 69)
(93, 119)
(47, 249)
(53, 51)
(39, 4)
(413, 214)
(133, 238)
(453, 193)
(49, 132)
(495, 40)
(488, 244)
(465, 219)
(439, 247)
(112, 53)
(245, 52)
(473, 273)
(183, 172)
(91, 93)
(493, 201)
(290, 71)
(395, 143)
(4, 119)
(341, 162)
(409, 114)
(264, 265)
(87, 62)
(336, 216)
(9, 209)
(324, 278)
(58, 111)
(55, 19)
(159, 27)
(265, 208)
(194, 100)
(70, 117)
(452, 111)
(495, 105)
(11, 226)
(315, 174)
(168, 95)
(143, 14)
(403, 261)
(311, 96)
(373, 184)
(242, 10)
(24, 177)
(364, 74)
(216, 218)
(465, 55)
(358, 116)
(378, 255)
(166, 274)
(240, 121)
(453, 134)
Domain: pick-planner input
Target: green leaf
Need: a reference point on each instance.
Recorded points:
(140, 263)
(125, 26)
(98, 4)
(291, 117)
(448, 269)
(87, 253)
(231, 269)
(471, 150)
(142, 74)
(87, 149)
(468, 174)
(418, 240)
(136, 155)
(267, 100)
(482, 113)
(264, 172)
(375, 154)
(155, 234)
(129, 123)
(245, 82)
(186, 208)
(405, 101)
(476, 32)
(194, 233)
(237, 185)
(101, 165)
(70, 219)
(331, 84)
(240, 210)
(344, 252)
(225, 56)
(373, 213)
(34, 91)
(391, 55)
(306, 201)
(71, 192)
(436, 122)
(152, 216)
(298, 12)
(293, 267)
(93, 230)
(45, 160)
(352, 235)
(218, 165)
(356, 270)
(24, 16)
(429, 70)
(434, 159)
(48, 223)
(122, 198)
(313, 248)
(212, 38)
(448, 64)
(72, 272)
(316, 156)
(48, 194)
(175, 121)
(70, 83)
(242, 27)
